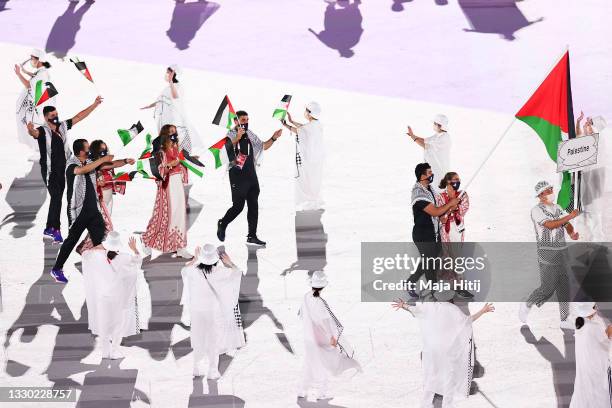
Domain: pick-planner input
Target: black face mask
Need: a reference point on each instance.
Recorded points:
(103, 153)
(174, 137)
(55, 120)
(430, 178)
(245, 126)
(455, 185)
(89, 155)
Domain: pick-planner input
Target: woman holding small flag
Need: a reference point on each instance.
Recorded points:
(26, 107)
(167, 228)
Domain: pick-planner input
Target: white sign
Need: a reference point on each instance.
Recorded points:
(578, 152)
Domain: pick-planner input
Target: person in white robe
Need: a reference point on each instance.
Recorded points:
(110, 275)
(26, 111)
(210, 304)
(309, 158)
(326, 350)
(436, 147)
(593, 383)
(448, 347)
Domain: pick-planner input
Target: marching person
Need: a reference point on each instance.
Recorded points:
(425, 212)
(83, 205)
(551, 222)
(436, 147)
(26, 111)
(110, 276)
(448, 347)
(167, 228)
(243, 177)
(592, 384)
(210, 292)
(309, 158)
(52, 140)
(326, 351)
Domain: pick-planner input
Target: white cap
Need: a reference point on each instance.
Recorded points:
(318, 280)
(541, 186)
(599, 123)
(40, 54)
(315, 109)
(444, 295)
(208, 255)
(583, 309)
(176, 69)
(113, 242)
(441, 120)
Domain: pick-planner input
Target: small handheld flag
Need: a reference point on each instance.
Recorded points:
(148, 151)
(82, 67)
(281, 112)
(223, 152)
(43, 92)
(225, 114)
(190, 163)
(128, 135)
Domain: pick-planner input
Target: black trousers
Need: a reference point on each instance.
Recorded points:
(426, 242)
(55, 187)
(245, 190)
(90, 220)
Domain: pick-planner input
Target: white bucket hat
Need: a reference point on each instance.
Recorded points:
(40, 54)
(113, 242)
(599, 123)
(315, 109)
(318, 280)
(441, 120)
(444, 295)
(541, 186)
(208, 255)
(584, 309)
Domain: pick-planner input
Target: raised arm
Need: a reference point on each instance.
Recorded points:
(34, 132)
(268, 143)
(487, 308)
(23, 79)
(117, 163)
(418, 140)
(88, 168)
(85, 112)
(553, 224)
(293, 122)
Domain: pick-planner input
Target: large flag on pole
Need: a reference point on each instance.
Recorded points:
(43, 91)
(82, 67)
(549, 112)
(281, 111)
(127, 135)
(225, 114)
(223, 152)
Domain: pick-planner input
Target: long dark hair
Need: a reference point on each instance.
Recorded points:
(447, 179)
(164, 136)
(110, 255)
(206, 268)
(316, 292)
(95, 148)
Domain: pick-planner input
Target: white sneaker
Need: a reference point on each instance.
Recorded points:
(523, 312)
(183, 253)
(116, 353)
(196, 371)
(213, 375)
(567, 325)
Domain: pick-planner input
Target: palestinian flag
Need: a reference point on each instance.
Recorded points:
(123, 176)
(43, 91)
(191, 163)
(148, 151)
(146, 172)
(283, 107)
(223, 151)
(225, 114)
(82, 67)
(549, 112)
(128, 135)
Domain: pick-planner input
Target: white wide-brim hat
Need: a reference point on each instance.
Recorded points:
(599, 123)
(541, 186)
(315, 109)
(113, 242)
(40, 54)
(208, 255)
(584, 309)
(441, 120)
(176, 69)
(318, 280)
(444, 295)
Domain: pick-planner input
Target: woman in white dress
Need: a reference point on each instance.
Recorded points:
(26, 111)
(326, 351)
(593, 375)
(110, 276)
(210, 302)
(309, 158)
(448, 347)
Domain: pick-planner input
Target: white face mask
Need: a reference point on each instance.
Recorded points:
(549, 198)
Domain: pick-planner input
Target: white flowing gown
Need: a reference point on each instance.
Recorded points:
(437, 154)
(310, 173)
(592, 384)
(209, 308)
(447, 351)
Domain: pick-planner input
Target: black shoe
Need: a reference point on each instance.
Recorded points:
(465, 294)
(253, 240)
(220, 231)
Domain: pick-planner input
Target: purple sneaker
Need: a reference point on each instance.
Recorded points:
(57, 236)
(58, 275)
(48, 233)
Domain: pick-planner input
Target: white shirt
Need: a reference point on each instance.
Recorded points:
(437, 154)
